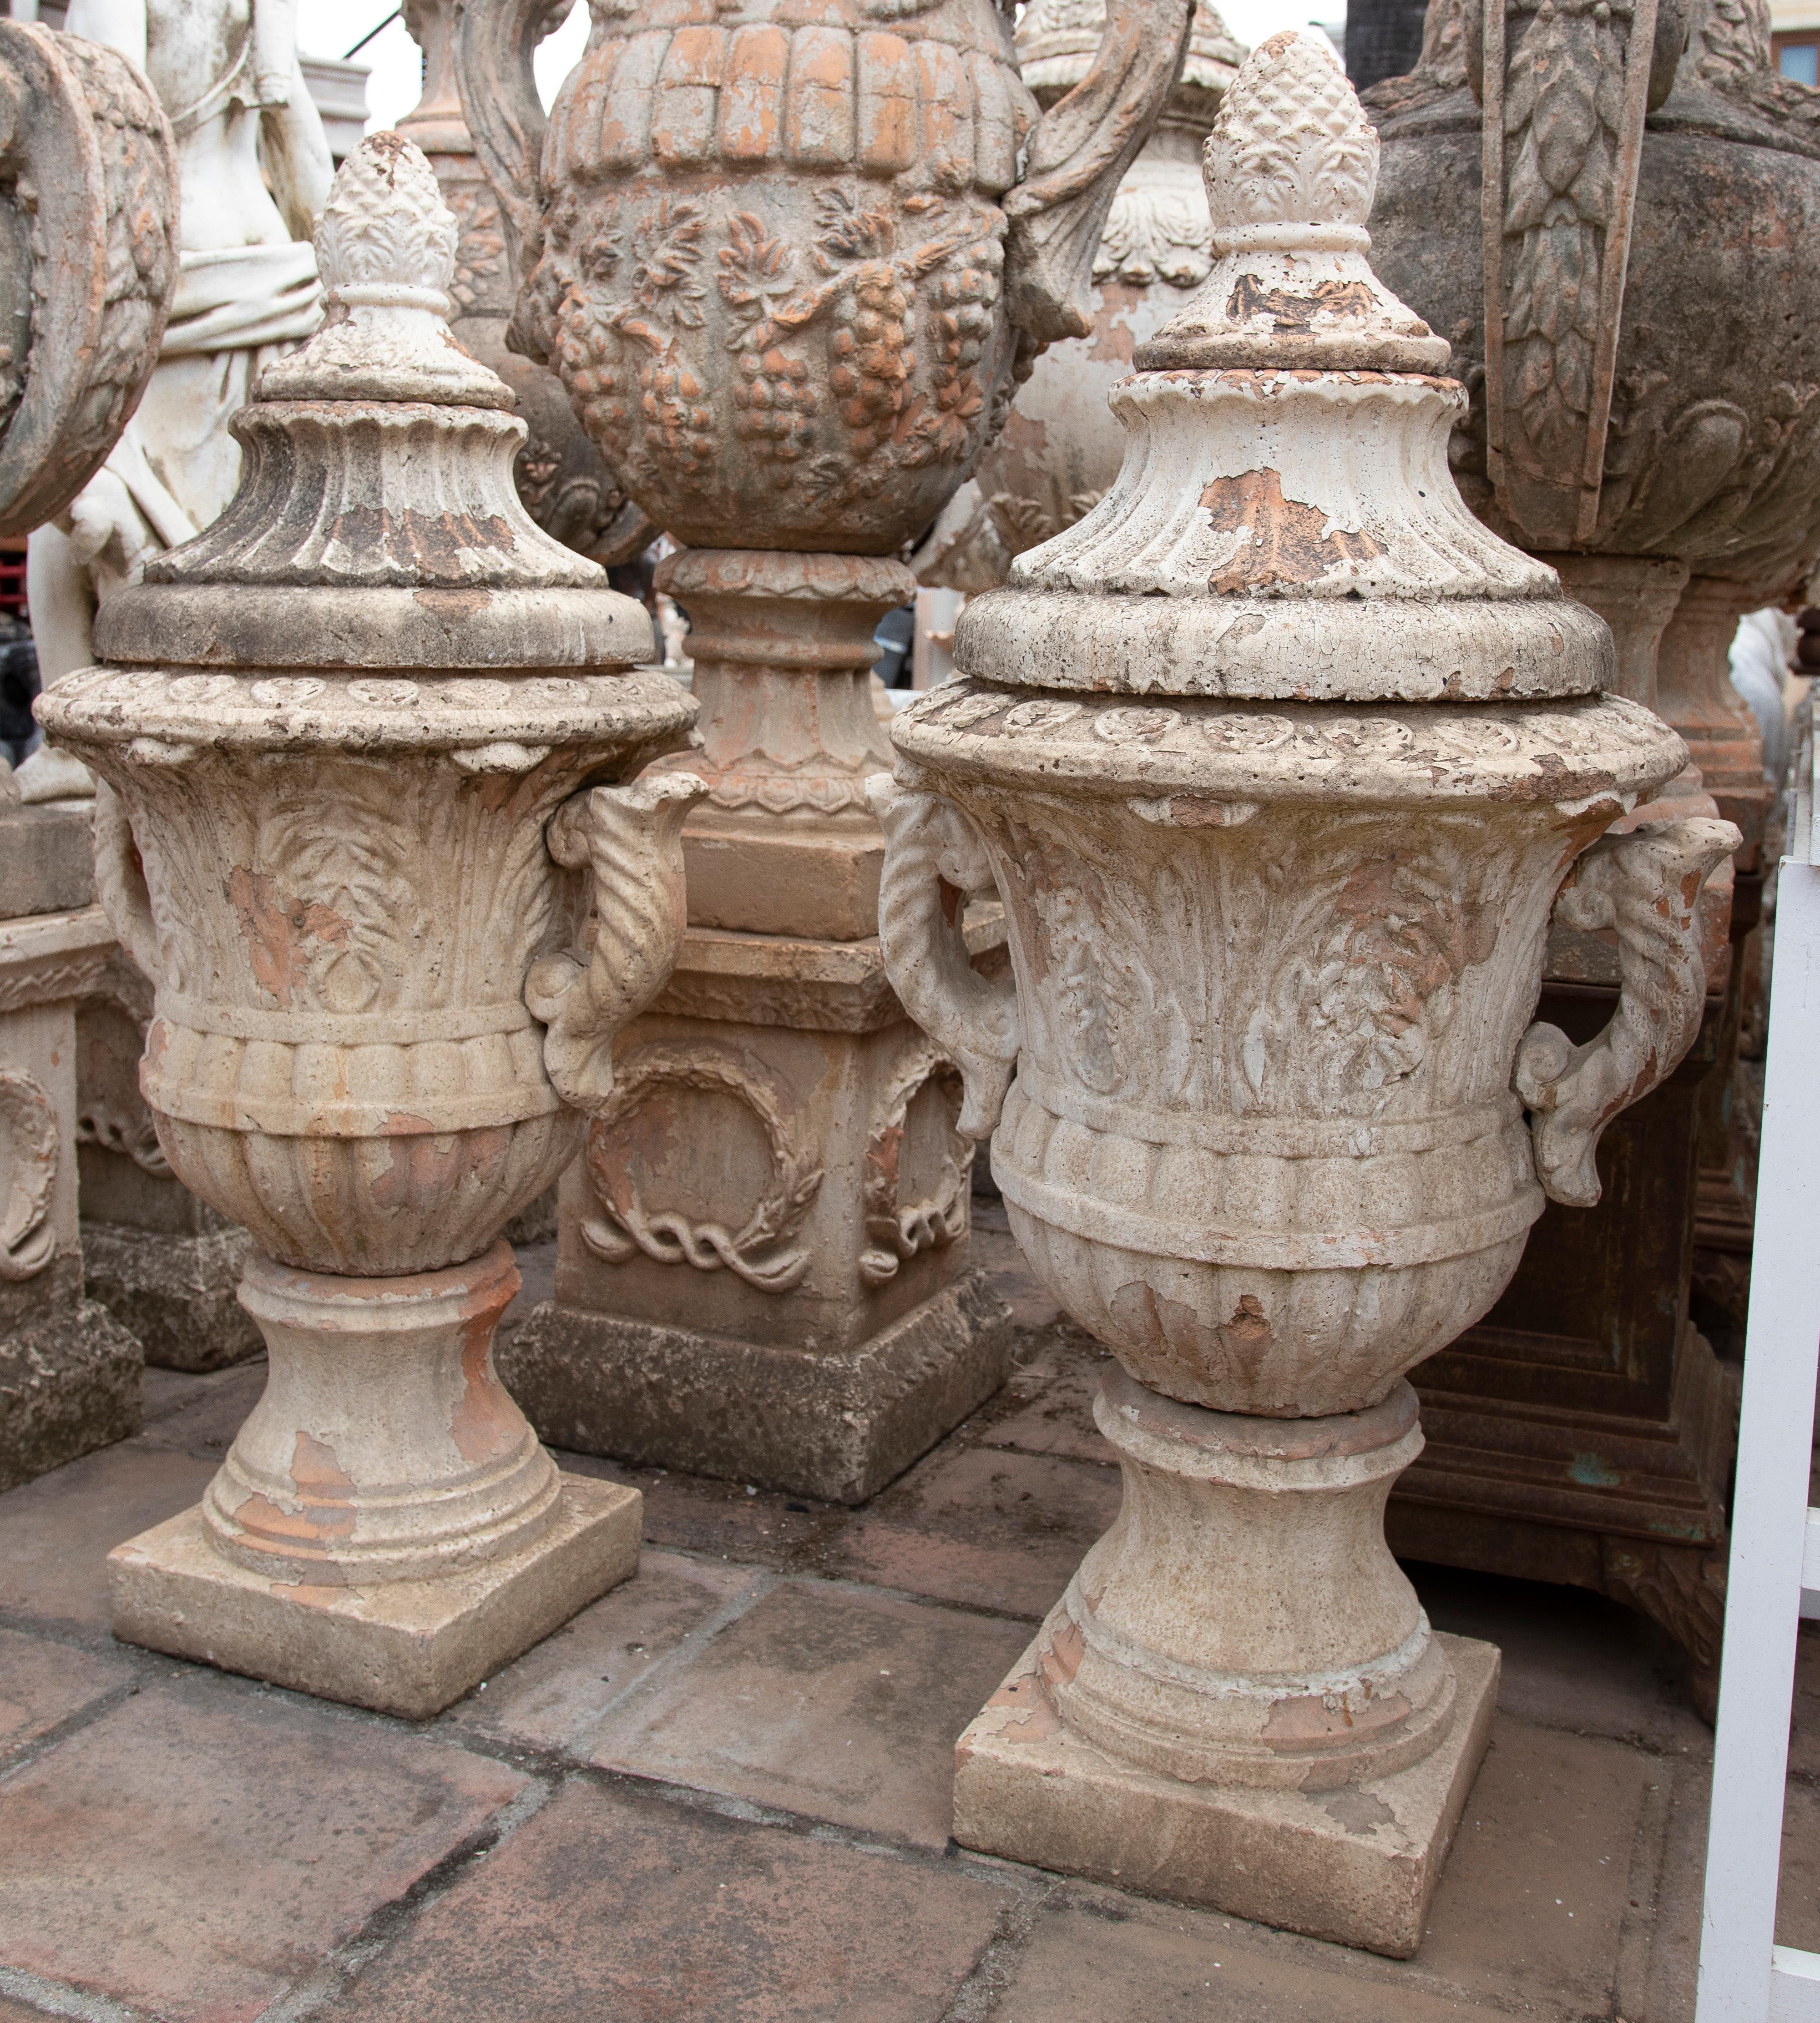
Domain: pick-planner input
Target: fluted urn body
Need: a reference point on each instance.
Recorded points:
(360, 743)
(1278, 761)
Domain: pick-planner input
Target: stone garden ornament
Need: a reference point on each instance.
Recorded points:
(790, 268)
(359, 741)
(1279, 761)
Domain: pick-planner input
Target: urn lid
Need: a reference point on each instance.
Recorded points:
(1058, 39)
(377, 523)
(1285, 523)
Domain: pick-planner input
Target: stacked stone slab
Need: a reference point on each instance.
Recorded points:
(88, 259)
(359, 744)
(790, 272)
(1279, 763)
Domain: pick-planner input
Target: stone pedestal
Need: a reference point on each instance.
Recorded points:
(69, 1372)
(763, 1252)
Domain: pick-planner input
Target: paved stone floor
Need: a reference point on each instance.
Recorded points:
(722, 1792)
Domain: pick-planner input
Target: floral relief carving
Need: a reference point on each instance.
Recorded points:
(760, 1251)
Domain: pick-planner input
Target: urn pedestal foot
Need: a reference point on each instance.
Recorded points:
(1238, 1700)
(1358, 1864)
(837, 1425)
(386, 1529)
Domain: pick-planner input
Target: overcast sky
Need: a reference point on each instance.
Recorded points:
(331, 27)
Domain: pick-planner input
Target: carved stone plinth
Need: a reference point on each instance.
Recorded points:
(762, 1250)
(1281, 765)
(364, 747)
(69, 1372)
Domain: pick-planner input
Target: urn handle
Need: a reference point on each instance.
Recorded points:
(494, 43)
(630, 837)
(120, 881)
(1075, 160)
(933, 859)
(1646, 886)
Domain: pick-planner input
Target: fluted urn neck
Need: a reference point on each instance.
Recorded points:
(1285, 523)
(376, 472)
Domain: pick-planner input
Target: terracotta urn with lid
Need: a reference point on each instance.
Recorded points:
(1279, 761)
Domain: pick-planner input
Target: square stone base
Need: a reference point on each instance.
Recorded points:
(1358, 1865)
(409, 1647)
(837, 1423)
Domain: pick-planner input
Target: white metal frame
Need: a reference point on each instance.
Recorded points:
(1775, 1572)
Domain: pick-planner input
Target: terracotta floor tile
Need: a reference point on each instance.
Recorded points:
(991, 1245)
(1095, 1957)
(841, 1705)
(612, 1907)
(19, 2012)
(1535, 1888)
(41, 1684)
(55, 1533)
(1051, 1399)
(556, 1695)
(199, 1848)
(205, 1424)
(695, 1514)
(982, 1527)
(1571, 1659)
(1798, 1900)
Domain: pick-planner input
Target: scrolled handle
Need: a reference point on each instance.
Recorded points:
(1075, 160)
(120, 881)
(933, 859)
(494, 43)
(1646, 885)
(630, 837)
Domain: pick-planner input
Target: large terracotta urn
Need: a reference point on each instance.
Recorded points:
(1279, 763)
(791, 269)
(1059, 449)
(359, 742)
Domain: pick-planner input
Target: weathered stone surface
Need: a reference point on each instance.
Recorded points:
(175, 1293)
(354, 890)
(403, 1646)
(1358, 1864)
(46, 860)
(67, 1385)
(247, 149)
(1277, 759)
(837, 1422)
(1060, 448)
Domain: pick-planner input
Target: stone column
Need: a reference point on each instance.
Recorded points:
(358, 744)
(790, 278)
(1278, 827)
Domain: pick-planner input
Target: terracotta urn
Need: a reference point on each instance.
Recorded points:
(791, 269)
(1643, 390)
(1279, 761)
(1061, 449)
(359, 743)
